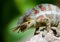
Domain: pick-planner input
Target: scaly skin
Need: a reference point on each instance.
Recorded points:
(47, 15)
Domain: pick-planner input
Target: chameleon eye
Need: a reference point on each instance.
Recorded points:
(28, 22)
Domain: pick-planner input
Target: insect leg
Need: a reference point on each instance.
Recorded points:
(16, 28)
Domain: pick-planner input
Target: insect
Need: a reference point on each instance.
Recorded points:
(43, 15)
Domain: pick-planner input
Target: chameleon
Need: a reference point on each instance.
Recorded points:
(42, 15)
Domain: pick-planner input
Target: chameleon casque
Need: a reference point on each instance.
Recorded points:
(43, 15)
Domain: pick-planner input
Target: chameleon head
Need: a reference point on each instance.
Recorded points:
(25, 25)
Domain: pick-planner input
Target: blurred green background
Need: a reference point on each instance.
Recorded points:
(11, 11)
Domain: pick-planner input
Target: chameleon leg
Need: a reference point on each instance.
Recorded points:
(48, 27)
(58, 30)
(36, 31)
(58, 25)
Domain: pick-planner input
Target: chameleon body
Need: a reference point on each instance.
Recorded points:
(43, 15)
